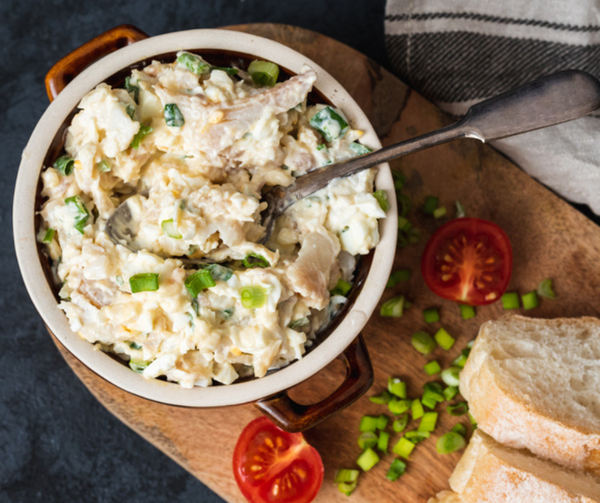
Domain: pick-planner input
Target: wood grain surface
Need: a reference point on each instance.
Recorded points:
(549, 238)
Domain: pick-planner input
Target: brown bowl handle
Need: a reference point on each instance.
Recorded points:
(292, 416)
(75, 62)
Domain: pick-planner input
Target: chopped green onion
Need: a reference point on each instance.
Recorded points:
(397, 387)
(132, 89)
(434, 387)
(460, 409)
(255, 260)
(444, 339)
(253, 297)
(417, 410)
(330, 123)
(227, 69)
(472, 419)
(416, 436)
(399, 407)
(130, 109)
(169, 229)
(368, 423)
(450, 376)
(49, 236)
(399, 179)
(461, 429)
(461, 359)
(322, 146)
(432, 368)
(460, 210)
(382, 199)
(82, 214)
(403, 448)
(198, 282)
(439, 212)
(359, 148)
(428, 401)
(263, 73)
(134, 345)
(139, 136)
(367, 460)
(414, 235)
(404, 205)
(423, 342)
(397, 469)
(470, 344)
(138, 365)
(347, 488)
(466, 312)
(428, 422)
(103, 166)
(64, 165)
(193, 63)
(383, 441)
(544, 289)
(510, 300)
(431, 315)
(393, 307)
(382, 422)
(450, 392)
(221, 273)
(398, 276)
(404, 224)
(173, 116)
(144, 282)
(382, 399)
(400, 424)
(450, 442)
(367, 439)
(430, 205)
(341, 288)
(346, 475)
(530, 300)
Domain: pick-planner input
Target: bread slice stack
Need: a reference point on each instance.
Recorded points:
(533, 386)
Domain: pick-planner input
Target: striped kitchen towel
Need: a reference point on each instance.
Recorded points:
(458, 52)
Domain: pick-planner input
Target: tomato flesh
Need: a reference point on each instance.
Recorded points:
(468, 260)
(273, 466)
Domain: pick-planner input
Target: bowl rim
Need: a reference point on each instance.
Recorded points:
(41, 293)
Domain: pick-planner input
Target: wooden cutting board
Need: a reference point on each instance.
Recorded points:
(549, 238)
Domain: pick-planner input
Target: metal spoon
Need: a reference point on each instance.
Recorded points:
(553, 99)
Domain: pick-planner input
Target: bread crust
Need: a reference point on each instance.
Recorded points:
(510, 421)
(445, 497)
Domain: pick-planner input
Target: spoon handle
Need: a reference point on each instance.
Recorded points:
(553, 99)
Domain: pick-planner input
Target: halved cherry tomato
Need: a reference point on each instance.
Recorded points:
(468, 260)
(273, 466)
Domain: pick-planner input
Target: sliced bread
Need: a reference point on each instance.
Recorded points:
(535, 384)
(489, 472)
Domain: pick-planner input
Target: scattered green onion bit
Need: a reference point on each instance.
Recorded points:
(134, 345)
(450, 392)
(450, 442)
(382, 199)
(103, 166)
(132, 89)
(330, 123)
(368, 423)
(263, 73)
(530, 300)
(460, 409)
(399, 407)
(193, 63)
(198, 282)
(397, 387)
(130, 109)
(367, 440)
(510, 300)
(360, 149)
(383, 441)
(253, 297)
(341, 288)
(347, 488)
(397, 469)
(82, 214)
(139, 136)
(255, 260)
(397, 277)
(222, 273)
(49, 236)
(432, 368)
(400, 424)
(431, 315)
(450, 376)
(393, 307)
(138, 365)
(461, 429)
(144, 282)
(368, 459)
(403, 448)
(444, 339)
(346, 475)
(428, 401)
(544, 289)
(382, 399)
(169, 229)
(404, 224)
(472, 419)
(382, 422)
(416, 436)
(461, 359)
(467, 312)
(399, 179)
(430, 204)
(173, 116)
(404, 205)
(227, 69)
(417, 410)
(64, 165)
(439, 212)
(428, 421)
(423, 342)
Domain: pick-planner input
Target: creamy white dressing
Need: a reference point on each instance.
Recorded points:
(195, 190)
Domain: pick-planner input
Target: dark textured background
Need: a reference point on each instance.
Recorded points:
(57, 443)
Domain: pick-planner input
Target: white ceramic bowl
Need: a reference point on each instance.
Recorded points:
(30, 260)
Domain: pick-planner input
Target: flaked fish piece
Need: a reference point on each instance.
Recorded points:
(310, 274)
